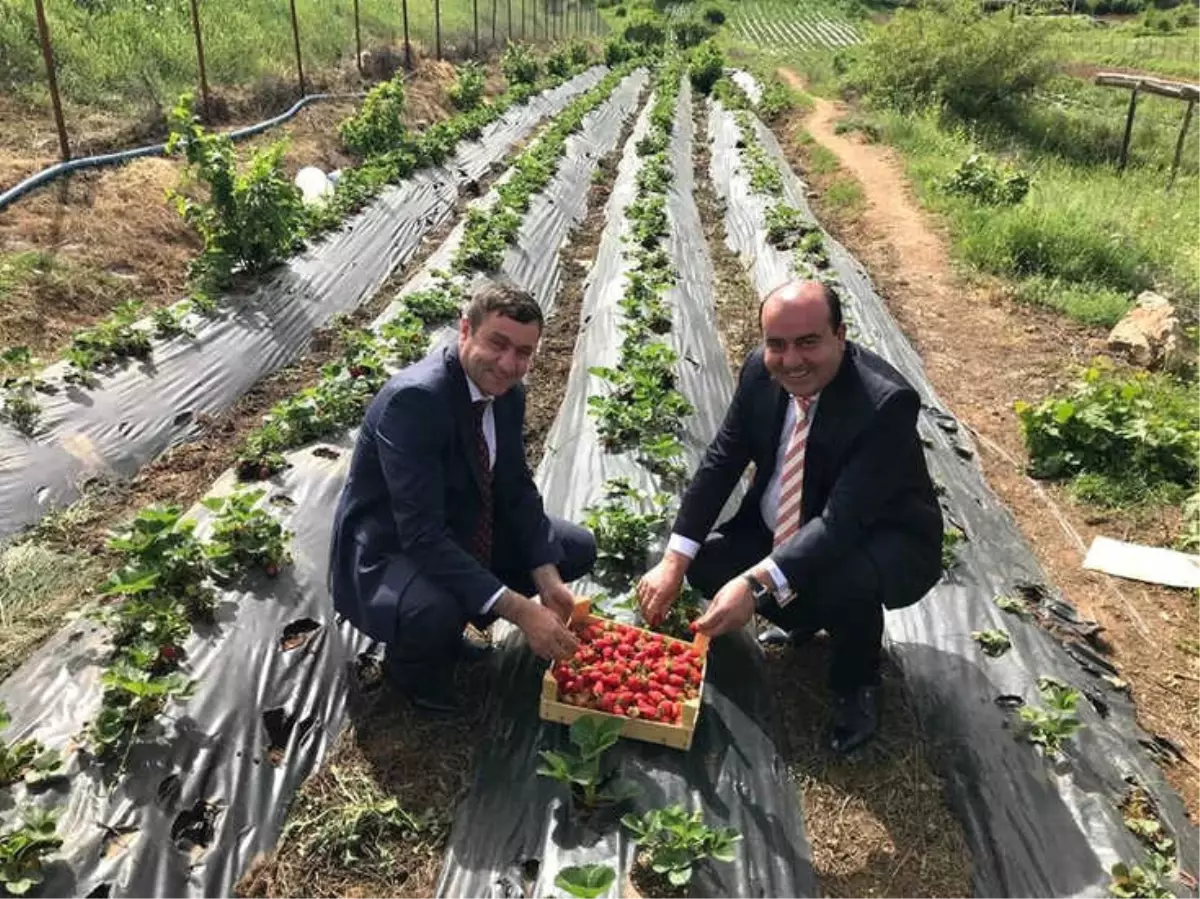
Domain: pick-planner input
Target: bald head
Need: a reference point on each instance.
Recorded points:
(804, 338)
(806, 292)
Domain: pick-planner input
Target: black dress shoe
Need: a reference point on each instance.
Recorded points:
(855, 719)
(777, 636)
(434, 694)
(472, 651)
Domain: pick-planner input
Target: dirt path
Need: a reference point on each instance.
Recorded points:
(982, 351)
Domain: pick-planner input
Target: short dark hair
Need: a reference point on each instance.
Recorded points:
(832, 300)
(501, 295)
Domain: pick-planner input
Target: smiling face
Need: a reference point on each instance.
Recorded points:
(802, 347)
(496, 353)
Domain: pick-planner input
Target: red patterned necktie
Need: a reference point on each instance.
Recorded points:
(791, 481)
(481, 539)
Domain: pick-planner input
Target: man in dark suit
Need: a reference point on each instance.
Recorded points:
(440, 523)
(841, 519)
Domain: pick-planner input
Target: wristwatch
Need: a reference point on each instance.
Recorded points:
(760, 591)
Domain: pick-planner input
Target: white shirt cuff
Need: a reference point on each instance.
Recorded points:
(782, 588)
(685, 546)
(487, 606)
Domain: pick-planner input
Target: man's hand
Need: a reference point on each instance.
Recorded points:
(547, 635)
(560, 600)
(730, 609)
(659, 587)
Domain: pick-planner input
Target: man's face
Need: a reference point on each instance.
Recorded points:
(496, 355)
(802, 352)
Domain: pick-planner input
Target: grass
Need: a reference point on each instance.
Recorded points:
(843, 198)
(121, 54)
(1129, 45)
(1087, 238)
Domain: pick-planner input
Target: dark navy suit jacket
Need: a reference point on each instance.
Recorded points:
(865, 479)
(413, 496)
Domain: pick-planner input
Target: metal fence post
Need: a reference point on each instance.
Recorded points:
(296, 41)
(200, 59)
(52, 79)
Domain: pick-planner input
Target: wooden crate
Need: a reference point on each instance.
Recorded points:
(678, 736)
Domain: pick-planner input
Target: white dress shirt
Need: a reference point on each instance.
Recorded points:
(489, 437)
(768, 506)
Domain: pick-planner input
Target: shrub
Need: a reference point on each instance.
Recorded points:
(252, 219)
(579, 52)
(949, 53)
(558, 63)
(979, 177)
(692, 32)
(714, 15)
(467, 91)
(617, 51)
(777, 99)
(646, 28)
(519, 65)
(707, 65)
(379, 126)
(620, 12)
(1133, 427)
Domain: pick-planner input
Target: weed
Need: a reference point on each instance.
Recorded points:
(675, 841)
(985, 181)
(993, 642)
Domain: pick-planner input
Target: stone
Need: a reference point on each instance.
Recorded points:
(1151, 336)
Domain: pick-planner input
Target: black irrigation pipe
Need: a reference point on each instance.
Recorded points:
(45, 176)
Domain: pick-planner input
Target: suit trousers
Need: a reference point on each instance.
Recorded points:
(846, 602)
(430, 621)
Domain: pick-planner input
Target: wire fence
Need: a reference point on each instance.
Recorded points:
(124, 57)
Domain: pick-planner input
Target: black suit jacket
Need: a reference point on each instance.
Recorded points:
(865, 479)
(412, 498)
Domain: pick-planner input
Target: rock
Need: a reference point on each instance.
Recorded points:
(1151, 336)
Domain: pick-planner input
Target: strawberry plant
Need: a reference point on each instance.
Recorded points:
(244, 536)
(810, 251)
(558, 62)
(952, 537)
(110, 341)
(786, 226)
(777, 98)
(437, 305)
(25, 848)
(466, 92)
(169, 320)
(993, 642)
(26, 759)
(628, 672)
(672, 841)
(623, 532)
(678, 620)
(1149, 881)
(585, 881)
(379, 125)
(1011, 604)
(132, 701)
(581, 770)
(1050, 725)
(20, 383)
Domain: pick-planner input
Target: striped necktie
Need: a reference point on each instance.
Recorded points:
(791, 481)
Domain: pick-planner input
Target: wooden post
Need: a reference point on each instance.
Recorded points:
(1187, 120)
(508, 31)
(52, 79)
(296, 41)
(407, 45)
(357, 38)
(1133, 95)
(523, 36)
(437, 29)
(475, 12)
(534, 5)
(200, 59)
(494, 2)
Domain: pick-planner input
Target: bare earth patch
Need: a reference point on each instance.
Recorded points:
(982, 351)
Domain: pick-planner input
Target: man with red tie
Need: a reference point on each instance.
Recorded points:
(841, 519)
(440, 523)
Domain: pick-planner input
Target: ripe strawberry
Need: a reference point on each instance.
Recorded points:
(168, 653)
(271, 569)
(264, 472)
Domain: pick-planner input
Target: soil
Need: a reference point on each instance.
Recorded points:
(876, 821)
(963, 327)
(109, 235)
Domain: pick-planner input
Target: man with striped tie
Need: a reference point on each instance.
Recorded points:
(841, 519)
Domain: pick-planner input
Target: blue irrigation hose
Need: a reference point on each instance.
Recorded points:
(89, 162)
